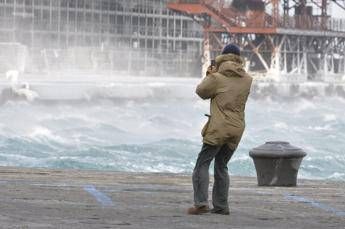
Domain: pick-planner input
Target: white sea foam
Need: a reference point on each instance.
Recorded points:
(337, 176)
(42, 133)
(330, 117)
(18, 90)
(320, 128)
(304, 105)
(281, 125)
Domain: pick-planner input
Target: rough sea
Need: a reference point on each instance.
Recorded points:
(151, 125)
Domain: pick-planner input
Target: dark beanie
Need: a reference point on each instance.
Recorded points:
(231, 48)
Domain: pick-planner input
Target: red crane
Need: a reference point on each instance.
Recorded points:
(300, 41)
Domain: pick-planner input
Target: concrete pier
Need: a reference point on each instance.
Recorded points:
(42, 198)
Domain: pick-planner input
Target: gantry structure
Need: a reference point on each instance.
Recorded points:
(292, 40)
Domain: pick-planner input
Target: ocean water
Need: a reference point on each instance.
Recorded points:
(161, 132)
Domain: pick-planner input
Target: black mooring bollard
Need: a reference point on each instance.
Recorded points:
(277, 163)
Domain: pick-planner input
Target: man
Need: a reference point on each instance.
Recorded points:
(228, 86)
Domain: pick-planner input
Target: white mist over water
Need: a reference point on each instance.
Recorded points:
(153, 125)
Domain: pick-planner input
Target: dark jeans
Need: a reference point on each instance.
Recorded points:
(222, 155)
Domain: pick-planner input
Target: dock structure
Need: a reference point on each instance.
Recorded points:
(302, 42)
(124, 37)
(46, 198)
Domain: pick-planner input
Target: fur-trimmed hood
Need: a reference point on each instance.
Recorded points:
(228, 64)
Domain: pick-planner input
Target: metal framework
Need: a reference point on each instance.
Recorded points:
(302, 42)
(131, 37)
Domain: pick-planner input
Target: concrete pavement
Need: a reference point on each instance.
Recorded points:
(45, 198)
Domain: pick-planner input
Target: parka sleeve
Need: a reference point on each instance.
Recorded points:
(207, 88)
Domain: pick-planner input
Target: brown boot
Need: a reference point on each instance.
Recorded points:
(198, 210)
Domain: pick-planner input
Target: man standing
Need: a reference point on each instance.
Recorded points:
(228, 86)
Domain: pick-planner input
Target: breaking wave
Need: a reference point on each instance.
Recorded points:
(155, 127)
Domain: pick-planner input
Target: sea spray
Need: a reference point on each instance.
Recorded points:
(161, 132)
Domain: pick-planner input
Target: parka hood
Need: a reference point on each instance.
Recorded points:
(229, 63)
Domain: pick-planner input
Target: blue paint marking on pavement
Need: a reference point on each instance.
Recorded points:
(315, 204)
(99, 196)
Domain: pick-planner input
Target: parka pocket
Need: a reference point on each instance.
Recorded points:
(203, 131)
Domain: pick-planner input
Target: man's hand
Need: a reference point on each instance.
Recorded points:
(211, 69)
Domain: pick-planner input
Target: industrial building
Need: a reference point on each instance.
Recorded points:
(290, 40)
(127, 37)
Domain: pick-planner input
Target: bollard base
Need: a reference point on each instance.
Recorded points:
(277, 171)
(277, 163)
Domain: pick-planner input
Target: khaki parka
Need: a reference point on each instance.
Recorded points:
(228, 88)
